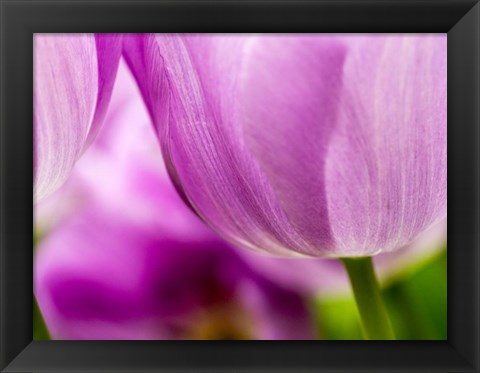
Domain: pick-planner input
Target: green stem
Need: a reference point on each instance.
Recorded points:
(373, 314)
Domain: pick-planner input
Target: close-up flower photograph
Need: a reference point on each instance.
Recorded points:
(260, 186)
(240, 186)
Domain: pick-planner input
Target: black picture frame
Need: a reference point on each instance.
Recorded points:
(21, 18)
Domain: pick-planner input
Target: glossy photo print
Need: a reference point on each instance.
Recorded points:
(240, 186)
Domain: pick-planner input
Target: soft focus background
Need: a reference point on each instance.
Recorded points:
(118, 255)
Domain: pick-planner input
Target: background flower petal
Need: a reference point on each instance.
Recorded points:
(100, 277)
(65, 91)
(73, 78)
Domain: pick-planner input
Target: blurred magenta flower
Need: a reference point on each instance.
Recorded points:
(328, 146)
(102, 278)
(127, 259)
(73, 80)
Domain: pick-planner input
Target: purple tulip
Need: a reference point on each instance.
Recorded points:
(327, 146)
(73, 80)
(128, 260)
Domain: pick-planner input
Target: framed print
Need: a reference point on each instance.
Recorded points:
(240, 186)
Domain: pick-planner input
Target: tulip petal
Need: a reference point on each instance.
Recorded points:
(288, 99)
(65, 91)
(109, 50)
(144, 59)
(189, 112)
(325, 146)
(203, 142)
(386, 163)
(73, 79)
